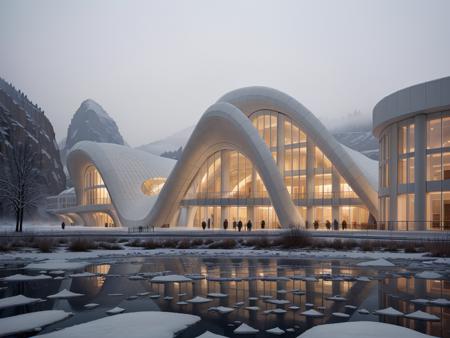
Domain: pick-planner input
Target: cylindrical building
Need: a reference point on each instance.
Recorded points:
(413, 128)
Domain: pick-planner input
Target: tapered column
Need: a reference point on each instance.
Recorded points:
(310, 180)
(225, 184)
(280, 143)
(420, 123)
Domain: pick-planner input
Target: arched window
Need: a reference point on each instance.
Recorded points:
(94, 189)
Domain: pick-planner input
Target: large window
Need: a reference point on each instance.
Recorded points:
(94, 189)
(438, 132)
(405, 212)
(384, 161)
(438, 166)
(438, 210)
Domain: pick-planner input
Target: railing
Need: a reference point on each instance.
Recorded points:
(249, 194)
(61, 202)
(414, 225)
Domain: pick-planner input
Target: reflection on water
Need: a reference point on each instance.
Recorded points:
(247, 282)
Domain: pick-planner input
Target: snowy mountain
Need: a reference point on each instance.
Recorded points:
(22, 122)
(92, 123)
(169, 144)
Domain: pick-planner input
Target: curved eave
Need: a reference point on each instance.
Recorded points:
(426, 98)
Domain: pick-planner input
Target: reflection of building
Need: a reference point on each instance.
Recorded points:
(413, 126)
(257, 154)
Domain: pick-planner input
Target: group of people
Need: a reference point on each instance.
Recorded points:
(237, 225)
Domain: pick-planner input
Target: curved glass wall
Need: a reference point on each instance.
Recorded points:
(227, 186)
(94, 189)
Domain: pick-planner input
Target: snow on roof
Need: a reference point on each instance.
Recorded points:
(33, 321)
(208, 334)
(144, 324)
(361, 329)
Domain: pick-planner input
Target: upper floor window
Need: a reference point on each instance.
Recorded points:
(406, 139)
(438, 132)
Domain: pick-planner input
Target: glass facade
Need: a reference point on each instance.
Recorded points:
(228, 186)
(438, 210)
(435, 166)
(94, 189)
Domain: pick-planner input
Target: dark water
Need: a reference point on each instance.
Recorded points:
(389, 287)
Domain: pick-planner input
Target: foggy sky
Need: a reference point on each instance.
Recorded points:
(156, 66)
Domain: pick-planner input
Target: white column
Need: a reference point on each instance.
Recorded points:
(309, 180)
(420, 123)
(224, 184)
(393, 164)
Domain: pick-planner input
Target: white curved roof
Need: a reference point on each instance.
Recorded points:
(348, 164)
(426, 97)
(123, 170)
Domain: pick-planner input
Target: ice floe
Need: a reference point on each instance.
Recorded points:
(145, 324)
(65, 294)
(377, 262)
(28, 322)
(361, 329)
(17, 301)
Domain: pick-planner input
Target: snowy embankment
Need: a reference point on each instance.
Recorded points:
(145, 324)
(59, 257)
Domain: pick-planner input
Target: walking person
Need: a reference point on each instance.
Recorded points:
(239, 225)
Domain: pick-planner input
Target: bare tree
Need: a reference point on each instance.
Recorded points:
(21, 186)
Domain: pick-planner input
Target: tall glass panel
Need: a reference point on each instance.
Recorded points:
(434, 133)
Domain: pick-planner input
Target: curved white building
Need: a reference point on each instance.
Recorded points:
(114, 185)
(257, 154)
(413, 127)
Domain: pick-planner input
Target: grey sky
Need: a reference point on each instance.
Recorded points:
(155, 66)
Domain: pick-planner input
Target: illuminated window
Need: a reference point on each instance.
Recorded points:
(153, 186)
(94, 189)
